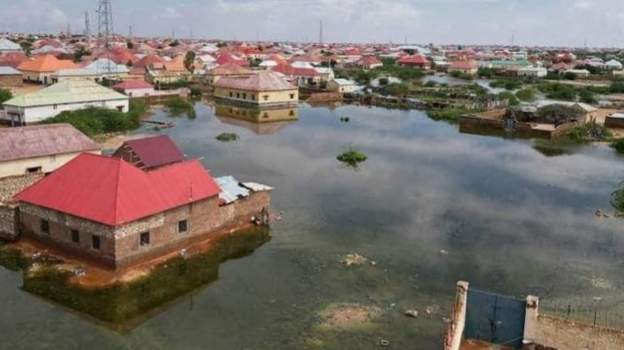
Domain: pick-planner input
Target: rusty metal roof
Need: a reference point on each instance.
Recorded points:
(42, 140)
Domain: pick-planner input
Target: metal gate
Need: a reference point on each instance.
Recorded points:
(495, 318)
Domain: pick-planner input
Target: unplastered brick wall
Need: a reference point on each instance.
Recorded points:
(7, 222)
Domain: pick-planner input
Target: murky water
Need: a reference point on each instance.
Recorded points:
(430, 206)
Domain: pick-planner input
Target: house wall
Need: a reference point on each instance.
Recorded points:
(120, 246)
(547, 331)
(140, 92)
(39, 77)
(10, 80)
(261, 98)
(38, 113)
(7, 222)
(47, 163)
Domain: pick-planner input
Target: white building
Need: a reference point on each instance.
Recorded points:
(342, 85)
(67, 95)
(7, 46)
(532, 72)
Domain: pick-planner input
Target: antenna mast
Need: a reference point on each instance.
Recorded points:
(105, 28)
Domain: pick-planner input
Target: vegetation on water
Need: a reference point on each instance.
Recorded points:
(96, 120)
(507, 84)
(396, 89)
(5, 95)
(352, 157)
(449, 114)
(389, 69)
(124, 302)
(618, 146)
(558, 114)
(227, 137)
(617, 199)
(590, 131)
(178, 106)
(12, 258)
(512, 100)
(461, 75)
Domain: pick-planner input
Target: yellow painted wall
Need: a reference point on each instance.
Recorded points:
(259, 98)
(47, 164)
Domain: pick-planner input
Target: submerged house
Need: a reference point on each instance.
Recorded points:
(264, 89)
(41, 148)
(67, 95)
(105, 210)
(150, 152)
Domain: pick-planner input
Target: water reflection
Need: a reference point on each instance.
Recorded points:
(260, 121)
(125, 306)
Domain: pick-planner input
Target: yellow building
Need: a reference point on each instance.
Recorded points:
(263, 89)
(260, 121)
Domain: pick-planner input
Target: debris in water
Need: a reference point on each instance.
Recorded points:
(384, 342)
(443, 252)
(599, 213)
(354, 259)
(411, 313)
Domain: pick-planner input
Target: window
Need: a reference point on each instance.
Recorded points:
(292, 96)
(33, 170)
(244, 96)
(231, 94)
(55, 107)
(265, 115)
(145, 238)
(237, 95)
(265, 97)
(120, 108)
(95, 242)
(45, 226)
(75, 236)
(253, 97)
(182, 226)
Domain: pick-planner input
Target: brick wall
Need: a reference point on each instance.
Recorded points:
(11, 80)
(7, 222)
(120, 246)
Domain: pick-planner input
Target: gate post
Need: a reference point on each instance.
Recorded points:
(455, 330)
(530, 320)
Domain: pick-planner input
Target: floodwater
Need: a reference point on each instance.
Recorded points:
(430, 206)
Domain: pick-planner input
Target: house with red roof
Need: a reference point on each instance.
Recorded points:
(369, 62)
(41, 68)
(301, 76)
(150, 152)
(415, 61)
(106, 210)
(469, 67)
(228, 58)
(135, 88)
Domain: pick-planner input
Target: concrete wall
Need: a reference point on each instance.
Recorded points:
(260, 98)
(11, 80)
(547, 331)
(120, 246)
(39, 113)
(7, 222)
(48, 164)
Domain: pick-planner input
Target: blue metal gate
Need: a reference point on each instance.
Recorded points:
(495, 318)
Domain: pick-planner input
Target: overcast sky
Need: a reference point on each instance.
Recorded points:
(532, 22)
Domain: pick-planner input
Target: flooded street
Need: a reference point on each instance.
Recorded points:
(429, 207)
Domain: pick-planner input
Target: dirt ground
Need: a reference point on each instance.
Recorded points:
(478, 345)
(348, 315)
(94, 276)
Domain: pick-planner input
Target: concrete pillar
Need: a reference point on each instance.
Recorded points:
(530, 321)
(458, 322)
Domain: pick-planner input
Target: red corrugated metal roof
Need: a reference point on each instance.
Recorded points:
(113, 192)
(133, 84)
(156, 151)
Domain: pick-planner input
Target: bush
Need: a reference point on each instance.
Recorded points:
(396, 89)
(178, 106)
(510, 97)
(352, 157)
(587, 96)
(527, 94)
(618, 146)
(227, 137)
(449, 114)
(461, 75)
(569, 76)
(617, 199)
(507, 84)
(617, 87)
(591, 131)
(95, 120)
(5, 95)
(487, 73)
(431, 83)
(559, 91)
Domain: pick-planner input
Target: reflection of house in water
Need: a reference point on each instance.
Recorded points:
(173, 281)
(260, 121)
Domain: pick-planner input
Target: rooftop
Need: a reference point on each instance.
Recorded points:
(113, 192)
(42, 140)
(67, 91)
(156, 151)
(261, 81)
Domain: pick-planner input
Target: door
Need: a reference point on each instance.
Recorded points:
(495, 318)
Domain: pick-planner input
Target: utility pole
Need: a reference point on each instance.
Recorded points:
(321, 32)
(513, 38)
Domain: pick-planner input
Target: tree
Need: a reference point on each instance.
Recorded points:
(189, 61)
(587, 96)
(80, 52)
(526, 95)
(5, 95)
(559, 114)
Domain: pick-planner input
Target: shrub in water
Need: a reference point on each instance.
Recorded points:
(352, 157)
(227, 137)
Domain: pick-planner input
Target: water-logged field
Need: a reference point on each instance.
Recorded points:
(430, 206)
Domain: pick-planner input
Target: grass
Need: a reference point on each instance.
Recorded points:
(227, 137)
(96, 120)
(352, 157)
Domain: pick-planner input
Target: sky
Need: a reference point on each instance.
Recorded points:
(530, 22)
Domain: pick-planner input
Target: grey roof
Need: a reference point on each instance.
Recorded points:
(231, 191)
(95, 68)
(8, 45)
(42, 140)
(6, 70)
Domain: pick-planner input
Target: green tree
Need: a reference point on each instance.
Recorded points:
(526, 95)
(559, 114)
(587, 96)
(189, 61)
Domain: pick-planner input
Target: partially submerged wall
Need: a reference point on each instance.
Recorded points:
(543, 331)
